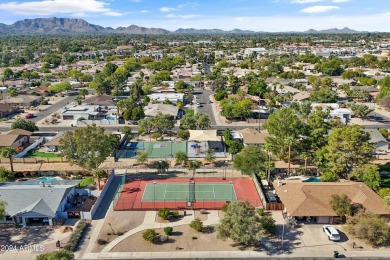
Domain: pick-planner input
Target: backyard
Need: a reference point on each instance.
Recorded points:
(33, 154)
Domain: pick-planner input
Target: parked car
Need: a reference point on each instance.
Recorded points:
(29, 115)
(133, 122)
(331, 232)
(198, 104)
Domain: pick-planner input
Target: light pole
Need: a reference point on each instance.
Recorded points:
(154, 195)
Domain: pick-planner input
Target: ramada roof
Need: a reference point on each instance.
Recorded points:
(312, 199)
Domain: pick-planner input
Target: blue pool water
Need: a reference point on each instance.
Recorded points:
(313, 179)
(47, 179)
(111, 118)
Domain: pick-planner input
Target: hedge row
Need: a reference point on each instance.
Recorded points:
(76, 236)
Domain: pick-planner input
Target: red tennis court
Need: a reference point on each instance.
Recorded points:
(132, 196)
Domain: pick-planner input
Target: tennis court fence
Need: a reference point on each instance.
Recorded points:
(173, 204)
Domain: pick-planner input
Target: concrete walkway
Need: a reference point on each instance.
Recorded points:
(149, 222)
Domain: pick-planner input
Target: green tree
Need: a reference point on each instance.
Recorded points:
(8, 152)
(55, 255)
(181, 157)
(369, 174)
(87, 146)
(210, 155)
(241, 224)
(146, 125)
(60, 87)
(360, 111)
(12, 92)
(368, 227)
(83, 92)
(25, 125)
(137, 113)
(8, 73)
(341, 204)
(99, 174)
(5, 175)
(161, 166)
(342, 156)
(267, 223)
(183, 134)
(329, 177)
(163, 123)
(283, 125)
(250, 160)
(142, 157)
(192, 166)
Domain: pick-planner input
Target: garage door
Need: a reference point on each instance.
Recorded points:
(323, 220)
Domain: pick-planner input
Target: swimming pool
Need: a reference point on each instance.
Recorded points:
(48, 179)
(111, 118)
(313, 179)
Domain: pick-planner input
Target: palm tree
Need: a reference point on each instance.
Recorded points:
(83, 92)
(289, 141)
(268, 149)
(9, 152)
(99, 174)
(193, 165)
(305, 156)
(79, 99)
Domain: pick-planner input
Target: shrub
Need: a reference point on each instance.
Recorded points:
(197, 224)
(168, 231)
(384, 192)
(149, 235)
(260, 212)
(371, 228)
(44, 102)
(76, 236)
(81, 119)
(61, 254)
(101, 241)
(175, 214)
(193, 238)
(225, 207)
(164, 213)
(268, 224)
(183, 134)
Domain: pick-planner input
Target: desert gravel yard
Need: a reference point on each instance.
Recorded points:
(180, 240)
(121, 222)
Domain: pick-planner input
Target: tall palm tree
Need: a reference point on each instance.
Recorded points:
(305, 156)
(193, 165)
(99, 174)
(289, 141)
(9, 152)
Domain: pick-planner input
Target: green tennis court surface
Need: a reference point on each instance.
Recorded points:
(184, 192)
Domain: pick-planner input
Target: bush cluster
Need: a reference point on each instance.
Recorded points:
(76, 236)
(197, 224)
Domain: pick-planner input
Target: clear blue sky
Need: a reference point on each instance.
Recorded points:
(258, 15)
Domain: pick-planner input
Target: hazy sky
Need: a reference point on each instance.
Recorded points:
(258, 15)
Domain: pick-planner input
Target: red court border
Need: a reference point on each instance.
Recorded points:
(131, 196)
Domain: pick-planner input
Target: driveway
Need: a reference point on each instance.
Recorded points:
(310, 239)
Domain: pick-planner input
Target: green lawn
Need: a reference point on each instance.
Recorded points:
(41, 154)
(189, 112)
(85, 182)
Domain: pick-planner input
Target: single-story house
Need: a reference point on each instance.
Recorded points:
(251, 136)
(153, 109)
(35, 203)
(344, 114)
(172, 97)
(310, 201)
(23, 100)
(101, 100)
(41, 90)
(88, 112)
(54, 143)
(381, 144)
(15, 138)
(6, 110)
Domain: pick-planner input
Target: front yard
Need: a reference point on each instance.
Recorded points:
(33, 154)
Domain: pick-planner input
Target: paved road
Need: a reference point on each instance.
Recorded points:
(53, 108)
(202, 96)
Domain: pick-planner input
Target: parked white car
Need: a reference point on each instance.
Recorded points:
(331, 232)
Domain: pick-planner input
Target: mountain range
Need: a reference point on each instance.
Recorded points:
(77, 26)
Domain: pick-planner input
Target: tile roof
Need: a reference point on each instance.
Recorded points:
(312, 199)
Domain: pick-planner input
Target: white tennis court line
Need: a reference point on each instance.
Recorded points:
(143, 194)
(234, 190)
(165, 191)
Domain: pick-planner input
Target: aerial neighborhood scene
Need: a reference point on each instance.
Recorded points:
(232, 129)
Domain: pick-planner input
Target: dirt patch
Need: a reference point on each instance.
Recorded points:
(121, 222)
(180, 240)
(202, 217)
